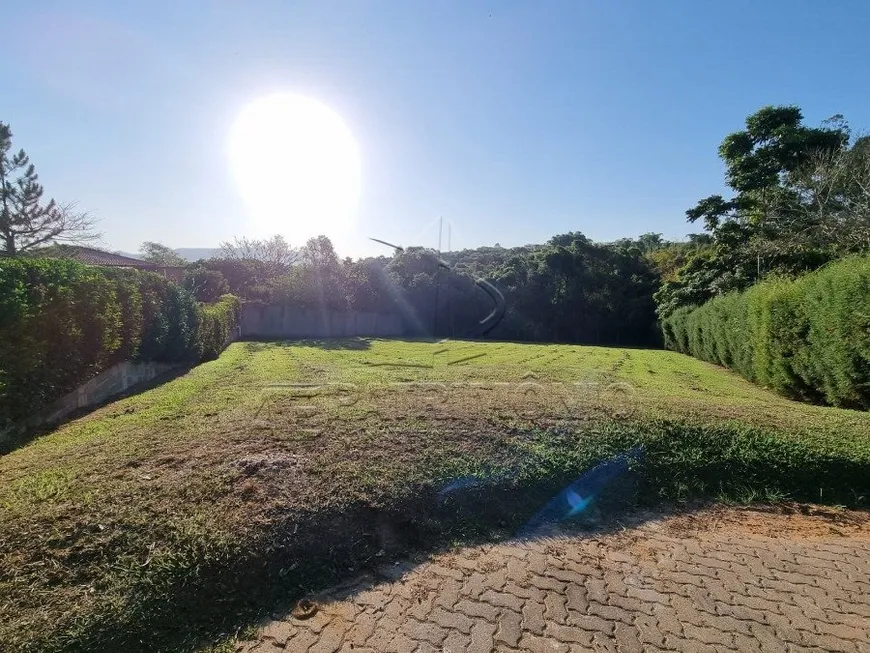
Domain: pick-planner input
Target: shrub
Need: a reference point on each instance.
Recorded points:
(241, 275)
(215, 326)
(62, 323)
(206, 285)
(674, 330)
(808, 338)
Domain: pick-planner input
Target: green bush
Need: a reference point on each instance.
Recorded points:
(62, 323)
(808, 338)
(215, 326)
(206, 285)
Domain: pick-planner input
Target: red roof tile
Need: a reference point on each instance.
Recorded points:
(93, 256)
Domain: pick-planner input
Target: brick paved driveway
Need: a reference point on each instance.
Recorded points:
(719, 580)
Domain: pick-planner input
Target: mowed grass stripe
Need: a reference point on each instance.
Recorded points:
(159, 518)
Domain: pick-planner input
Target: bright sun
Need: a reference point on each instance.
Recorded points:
(297, 166)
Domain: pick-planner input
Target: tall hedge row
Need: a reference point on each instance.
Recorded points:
(808, 338)
(61, 323)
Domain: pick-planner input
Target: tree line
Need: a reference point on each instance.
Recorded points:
(569, 289)
(800, 199)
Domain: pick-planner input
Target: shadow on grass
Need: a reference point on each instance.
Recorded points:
(26, 434)
(178, 608)
(308, 554)
(311, 554)
(357, 344)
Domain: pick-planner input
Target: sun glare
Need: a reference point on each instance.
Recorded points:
(297, 166)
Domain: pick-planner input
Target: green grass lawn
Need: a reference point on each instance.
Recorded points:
(160, 519)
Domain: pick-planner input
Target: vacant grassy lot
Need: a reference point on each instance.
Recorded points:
(157, 520)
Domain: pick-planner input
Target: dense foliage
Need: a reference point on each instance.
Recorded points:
(808, 338)
(567, 290)
(801, 199)
(215, 325)
(62, 323)
(206, 285)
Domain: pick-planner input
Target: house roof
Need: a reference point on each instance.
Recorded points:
(93, 256)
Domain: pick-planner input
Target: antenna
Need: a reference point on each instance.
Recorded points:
(437, 280)
(449, 327)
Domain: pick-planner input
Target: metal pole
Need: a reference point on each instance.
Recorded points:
(437, 281)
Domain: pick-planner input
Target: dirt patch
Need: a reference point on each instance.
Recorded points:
(792, 520)
(267, 462)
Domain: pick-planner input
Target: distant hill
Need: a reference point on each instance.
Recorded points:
(196, 253)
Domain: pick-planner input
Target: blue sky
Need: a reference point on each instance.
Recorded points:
(514, 121)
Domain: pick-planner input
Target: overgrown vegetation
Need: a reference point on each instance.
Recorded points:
(61, 323)
(801, 199)
(808, 338)
(566, 290)
(216, 323)
(170, 516)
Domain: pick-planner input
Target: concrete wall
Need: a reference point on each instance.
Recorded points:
(288, 322)
(104, 386)
(112, 382)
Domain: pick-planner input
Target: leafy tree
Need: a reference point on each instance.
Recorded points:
(251, 267)
(576, 291)
(833, 199)
(26, 220)
(319, 253)
(160, 253)
(671, 256)
(275, 252)
(321, 274)
(206, 285)
(247, 278)
(569, 289)
(797, 204)
(316, 281)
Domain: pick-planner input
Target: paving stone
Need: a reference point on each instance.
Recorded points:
(361, 629)
(301, 641)
(533, 617)
(690, 590)
(278, 631)
(478, 609)
(535, 644)
(424, 631)
(448, 595)
(481, 637)
(330, 639)
(648, 631)
(509, 628)
(568, 634)
(502, 600)
(456, 642)
(576, 599)
(555, 609)
(452, 620)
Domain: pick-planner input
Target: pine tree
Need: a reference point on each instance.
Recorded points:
(26, 220)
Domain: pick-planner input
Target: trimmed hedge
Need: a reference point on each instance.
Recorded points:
(808, 338)
(62, 323)
(215, 324)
